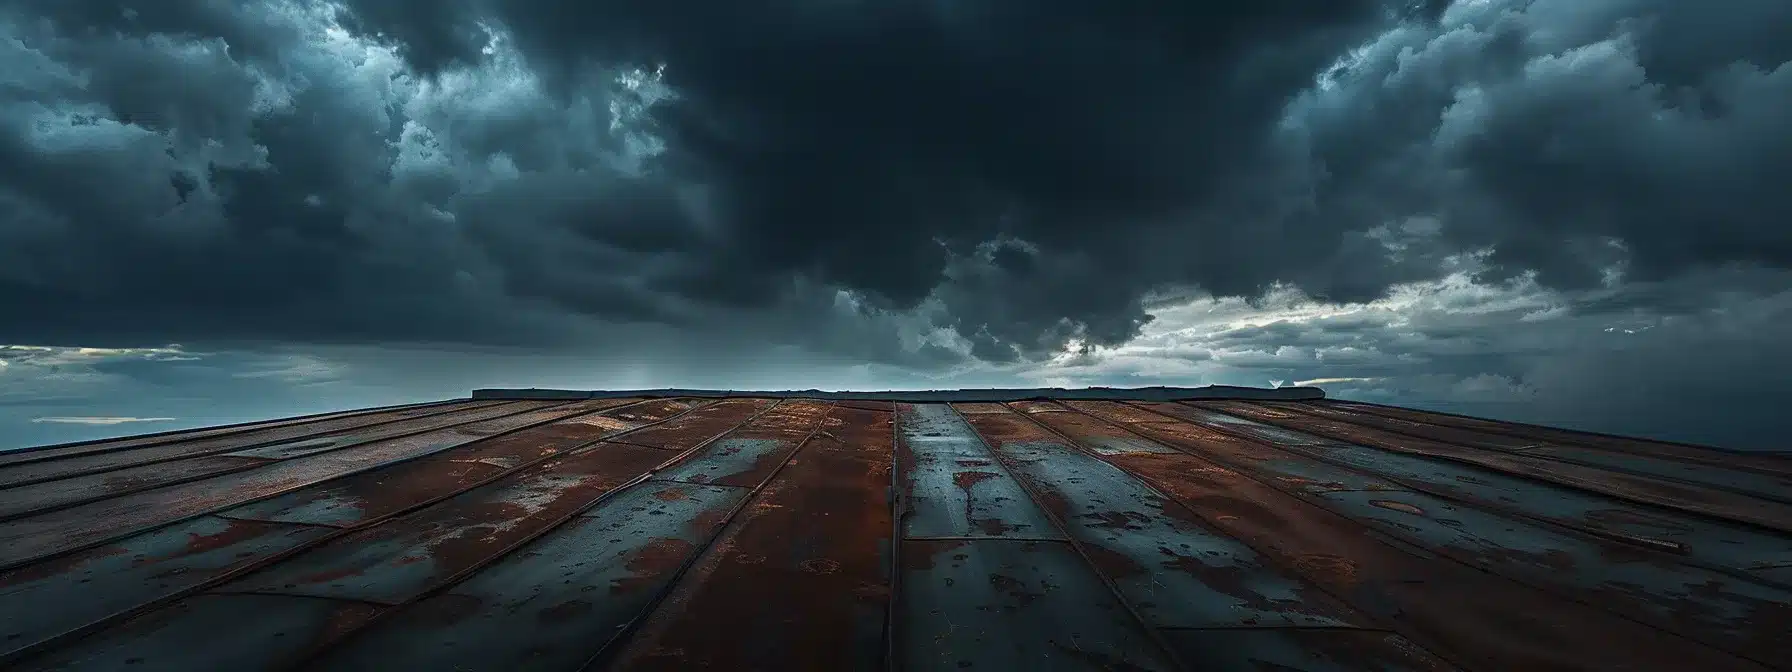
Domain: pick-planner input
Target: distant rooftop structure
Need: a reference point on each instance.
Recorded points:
(1150, 529)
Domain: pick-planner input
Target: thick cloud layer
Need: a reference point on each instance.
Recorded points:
(927, 184)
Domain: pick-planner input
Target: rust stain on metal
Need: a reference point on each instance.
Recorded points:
(815, 552)
(21, 467)
(1446, 606)
(1769, 464)
(525, 534)
(76, 527)
(396, 561)
(714, 419)
(1704, 501)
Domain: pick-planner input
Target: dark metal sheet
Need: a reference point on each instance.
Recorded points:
(66, 450)
(1036, 406)
(677, 435)
(1301, 651)
(1114, 411)
(1098, 436)
(403, 557)
(814, 542)
(1167, 564)
(374, 494)
(26, 539)
(953, 487)
(864, 405)
(1776, 487)
(1704, 540)
(39, 497)
(1750, 619)
(41, 601)
(746, 457)
(1767, 463)
(660, 409)
(554, 603)
(1693, 499)
(1450, 608)
(1714, 608)
(211, 632)
(1000, 604)
(51, 467)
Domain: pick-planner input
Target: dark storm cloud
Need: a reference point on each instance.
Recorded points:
(1024, 174)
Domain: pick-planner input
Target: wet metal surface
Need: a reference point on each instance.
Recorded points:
(39, 602)
(676, 435)
(396, 561)
(76, 527)
(265, 632)
(1303, 650)
(1708, 541)
(953, 487)
(1779, 463)
(998, 604)
(1703, 501)
(607, 533)
(1098, 436)
(814, 542)
(556, 602)
(57, 464)
(138, 442)
(1174, 570)
(1776, 487)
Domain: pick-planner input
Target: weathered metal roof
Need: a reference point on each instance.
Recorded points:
(1169, 529)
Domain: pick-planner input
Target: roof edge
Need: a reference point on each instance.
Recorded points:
(931, 396)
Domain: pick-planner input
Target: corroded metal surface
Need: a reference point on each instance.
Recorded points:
(814, 542)
(60, 464)
(739, 533)
(1773, 515)
(951, 486)
(1747, 481)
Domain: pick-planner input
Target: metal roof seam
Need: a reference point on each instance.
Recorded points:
(1153, 634)
(232, 575)
(611, 648)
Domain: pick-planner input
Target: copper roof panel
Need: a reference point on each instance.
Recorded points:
(1158, 529)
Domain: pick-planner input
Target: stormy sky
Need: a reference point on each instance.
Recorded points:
(1564, 211)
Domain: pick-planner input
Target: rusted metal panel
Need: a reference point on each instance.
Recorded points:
(1704, 540)
(864, 405)
(26, 539)
(951, 486)
(1457, 611)
(747, 456)
(66, 450)
(39, 497)
(973, 408)
(1779, 463)
(1776, 487)
(1114, 411)
(677, 435)
(556, 602)
(1303, 650)
(398, 560)
(1693, 499)
(635, 545)
(1721, 610)
(41, 601)
(212, 632)
(374, 494)
(815, 543)
(1749, 619)
(1098, 436)
(1001, 604)
(1036, 406)
(51, 467)
(1167, 564)
(659, 409)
